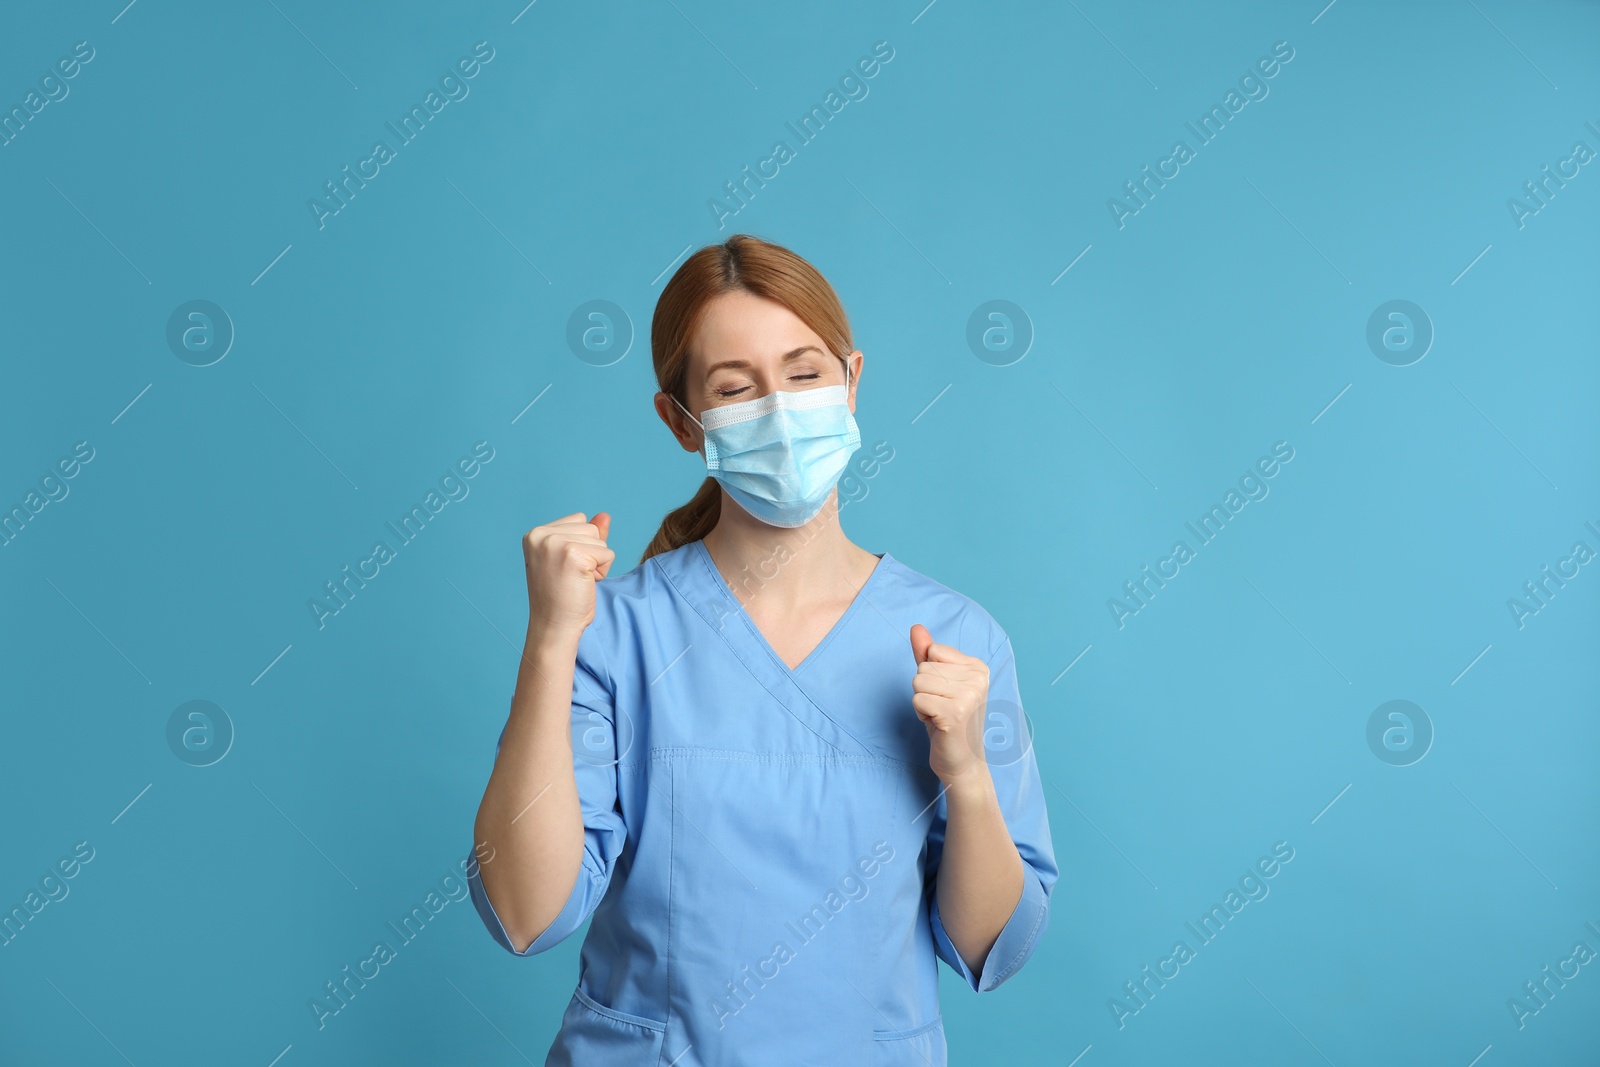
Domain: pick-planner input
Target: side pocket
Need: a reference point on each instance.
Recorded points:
(919, 1046)
(618, 1016)
(593, 1033)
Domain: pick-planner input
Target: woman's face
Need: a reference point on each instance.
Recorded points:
(744, 348)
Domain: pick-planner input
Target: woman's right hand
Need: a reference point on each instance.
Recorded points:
(565, 558)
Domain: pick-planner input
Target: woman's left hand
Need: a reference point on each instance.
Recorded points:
(950, 695)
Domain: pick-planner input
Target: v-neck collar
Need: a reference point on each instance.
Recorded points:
(704, 554)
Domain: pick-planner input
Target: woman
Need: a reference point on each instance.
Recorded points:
(759, 758)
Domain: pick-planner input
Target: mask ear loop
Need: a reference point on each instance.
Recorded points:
(686, 412)
(709, 450)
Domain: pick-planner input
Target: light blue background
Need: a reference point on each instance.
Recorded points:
(1227, 315)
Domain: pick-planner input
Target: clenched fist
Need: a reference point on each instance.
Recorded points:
(565, 559)
(950, 694)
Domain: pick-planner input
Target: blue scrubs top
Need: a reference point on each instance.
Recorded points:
(760, 843)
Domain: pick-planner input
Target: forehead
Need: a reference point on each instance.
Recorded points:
(740, 326)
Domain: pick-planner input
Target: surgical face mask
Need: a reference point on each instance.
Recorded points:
(780, 455)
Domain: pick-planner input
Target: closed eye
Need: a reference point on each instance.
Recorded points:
(793, 377)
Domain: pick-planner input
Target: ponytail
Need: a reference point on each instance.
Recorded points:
(690, 522)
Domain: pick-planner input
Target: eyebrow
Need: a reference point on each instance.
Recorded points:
(742, 363)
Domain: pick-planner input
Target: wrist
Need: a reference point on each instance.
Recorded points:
(974, 784)
(551, 643)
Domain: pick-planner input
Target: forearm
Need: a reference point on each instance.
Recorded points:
(529, 829)
(980, 871)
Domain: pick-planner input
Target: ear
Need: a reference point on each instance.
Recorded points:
(854, 360)
(687, 433)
